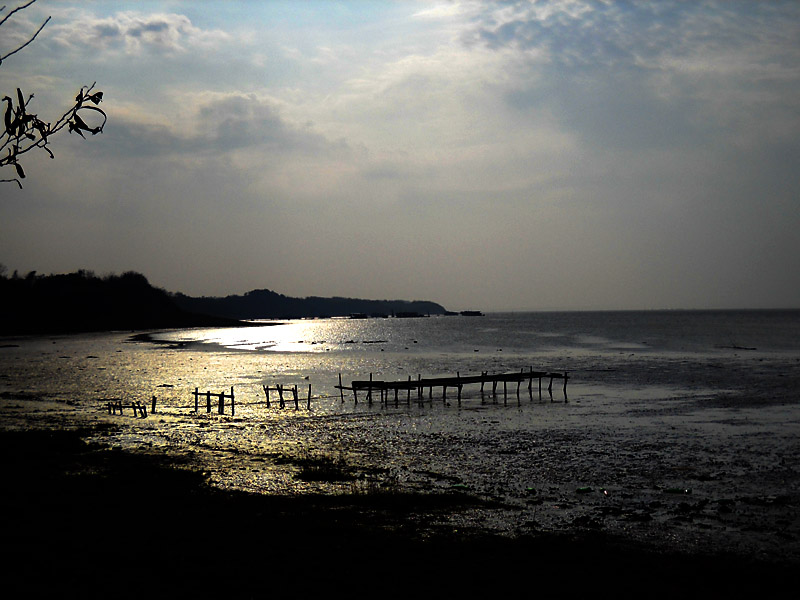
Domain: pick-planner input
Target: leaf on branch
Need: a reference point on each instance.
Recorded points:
(79, 122)
(9, 112)
(20, 172)
(40, 126)
(97, 97)
(93, 130)
(72, 128)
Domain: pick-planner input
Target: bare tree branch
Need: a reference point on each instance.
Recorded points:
(2, 58)
(22, 131)
(8, 16)
(17, 181)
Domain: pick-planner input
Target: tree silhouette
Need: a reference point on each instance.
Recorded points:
(24, 131)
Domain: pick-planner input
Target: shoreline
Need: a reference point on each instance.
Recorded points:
(635, 486)
(87, 516)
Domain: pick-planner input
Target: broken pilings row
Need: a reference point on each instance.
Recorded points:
(139, 408)
(219, 399)
(280, 389)
(220, 404)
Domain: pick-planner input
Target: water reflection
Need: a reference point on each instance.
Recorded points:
(319, 335)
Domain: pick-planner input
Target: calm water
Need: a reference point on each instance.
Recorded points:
(701, 400)
(687, 351)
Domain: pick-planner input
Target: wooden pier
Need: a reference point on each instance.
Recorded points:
(457, 383)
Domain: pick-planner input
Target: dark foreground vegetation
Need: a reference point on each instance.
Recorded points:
(85, 520)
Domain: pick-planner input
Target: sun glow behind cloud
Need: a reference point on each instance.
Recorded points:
(502, 156)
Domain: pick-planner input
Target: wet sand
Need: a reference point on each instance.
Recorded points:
(632, 488)
(83, 519)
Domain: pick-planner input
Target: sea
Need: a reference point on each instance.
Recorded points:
(679, 427)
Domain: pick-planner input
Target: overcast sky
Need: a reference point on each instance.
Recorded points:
(495, 156)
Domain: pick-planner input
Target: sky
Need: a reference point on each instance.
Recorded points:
(484, 155)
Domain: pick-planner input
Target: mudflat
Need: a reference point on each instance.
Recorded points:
(83, 519)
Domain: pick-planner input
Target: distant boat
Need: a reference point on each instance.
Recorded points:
(358, 316)
(471, 313)
(407, 315)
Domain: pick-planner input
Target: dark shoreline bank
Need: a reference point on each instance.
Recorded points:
(93, 521)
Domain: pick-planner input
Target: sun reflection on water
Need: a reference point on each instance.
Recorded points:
(280, 336)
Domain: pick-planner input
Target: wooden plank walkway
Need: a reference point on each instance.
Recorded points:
(457, 382)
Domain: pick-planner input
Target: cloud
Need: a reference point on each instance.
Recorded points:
(135, 33)
(234, 121)
(217, 124)
(663, 73)
(579, 154)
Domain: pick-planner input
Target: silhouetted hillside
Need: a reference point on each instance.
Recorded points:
(78, 302)
(266, 304)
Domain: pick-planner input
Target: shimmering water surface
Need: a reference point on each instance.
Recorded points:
(655, 401)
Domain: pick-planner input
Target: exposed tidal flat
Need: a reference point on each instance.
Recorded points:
(673, 458)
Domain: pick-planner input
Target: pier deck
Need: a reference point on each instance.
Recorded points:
(457, 382)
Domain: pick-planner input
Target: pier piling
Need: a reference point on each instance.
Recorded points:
(383, 387)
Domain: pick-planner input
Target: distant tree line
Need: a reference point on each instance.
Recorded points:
(83, 301)
(266, 304)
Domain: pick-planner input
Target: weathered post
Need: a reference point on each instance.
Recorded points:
(153, 409)
(308, 404)
(294, 392)
(208, 401)
(233, 406)
(196, 399)
(341, 389)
